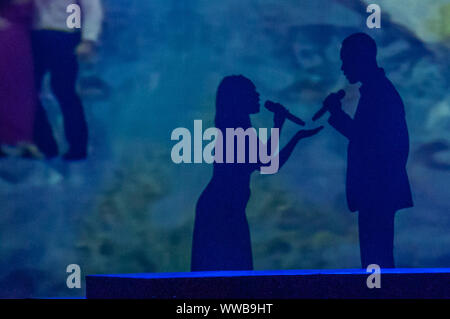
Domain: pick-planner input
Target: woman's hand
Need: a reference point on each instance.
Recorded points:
(308, 133)
(279, 116)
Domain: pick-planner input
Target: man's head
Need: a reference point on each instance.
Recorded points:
(359, 56)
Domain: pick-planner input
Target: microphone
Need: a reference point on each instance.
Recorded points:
(276, 107)
(340, 95)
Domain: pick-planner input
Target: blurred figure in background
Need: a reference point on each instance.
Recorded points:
(57, 49)
(17, 91)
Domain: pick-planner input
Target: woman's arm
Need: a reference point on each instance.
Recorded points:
(279, 118)
(275, 162)
(286, 152)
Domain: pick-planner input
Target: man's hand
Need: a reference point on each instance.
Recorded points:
(307, 133)
(86, 51)
(333, 102)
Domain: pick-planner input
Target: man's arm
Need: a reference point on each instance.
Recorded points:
(342, 122)
(92, 19)
(92, 25)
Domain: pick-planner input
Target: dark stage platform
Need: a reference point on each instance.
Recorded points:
(280, 284)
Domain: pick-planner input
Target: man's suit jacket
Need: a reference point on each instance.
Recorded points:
(378, 148)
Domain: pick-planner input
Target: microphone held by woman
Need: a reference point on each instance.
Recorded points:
(277, 107)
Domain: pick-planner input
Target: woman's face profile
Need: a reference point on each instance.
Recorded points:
(240, 94)
(252, 100)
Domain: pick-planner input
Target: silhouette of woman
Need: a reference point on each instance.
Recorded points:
(221, 239)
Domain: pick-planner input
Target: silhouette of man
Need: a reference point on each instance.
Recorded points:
(377, 182)
(56, 50)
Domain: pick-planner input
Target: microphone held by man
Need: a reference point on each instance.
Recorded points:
(332, 99)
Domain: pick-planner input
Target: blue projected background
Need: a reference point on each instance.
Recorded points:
(129, 209)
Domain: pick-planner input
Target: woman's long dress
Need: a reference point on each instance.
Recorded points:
(221, 233)
(17, 90)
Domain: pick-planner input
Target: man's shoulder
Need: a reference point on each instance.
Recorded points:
(382, 89)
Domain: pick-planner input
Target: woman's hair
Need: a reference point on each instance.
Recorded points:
(231, 111)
